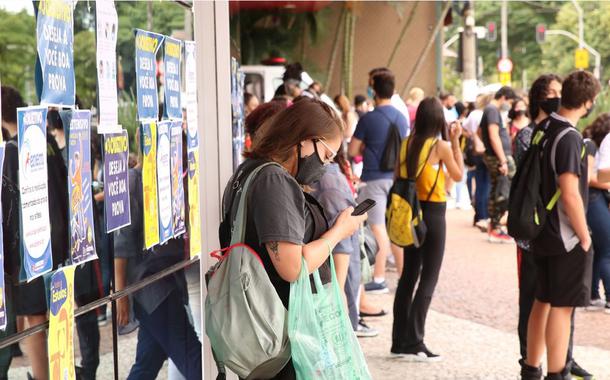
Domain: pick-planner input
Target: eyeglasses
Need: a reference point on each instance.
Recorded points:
(333, 153)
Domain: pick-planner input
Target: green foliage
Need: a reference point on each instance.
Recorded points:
(85, 70)
(559, 51)
(128, 111)
(18, 52)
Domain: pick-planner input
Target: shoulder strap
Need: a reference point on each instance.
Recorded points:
(426, 160)
(557, 194)
(238, 228)
(438, 173)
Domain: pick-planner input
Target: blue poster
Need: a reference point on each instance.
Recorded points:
(82, 236)
(190, 91)
(164, 182)
(2, 292)
(116, 181)
(55, 37)
(171, 60)
(34, 191)
(179, 210)
(147, 45)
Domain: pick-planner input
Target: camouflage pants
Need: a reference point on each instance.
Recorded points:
(499, 189)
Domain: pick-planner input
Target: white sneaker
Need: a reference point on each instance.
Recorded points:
(596, 305)
(364, 331)
(607, 308)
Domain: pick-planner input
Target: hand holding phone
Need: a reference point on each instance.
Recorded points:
(363, 207)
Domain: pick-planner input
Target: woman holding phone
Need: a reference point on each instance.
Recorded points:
(426, 156)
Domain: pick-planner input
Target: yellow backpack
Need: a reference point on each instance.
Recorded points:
(404, 218)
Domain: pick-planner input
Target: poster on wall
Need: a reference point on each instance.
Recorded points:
(107, 25)
(3, 316)
(190, 87)
(116, 181)
(82, 236)
(34, 192)
(149, 183)
(194, 205)
(147, 45)
(171, 87)
(237, 112)
(55, 38)
(164, 181)
(61, 325)
(178, 207)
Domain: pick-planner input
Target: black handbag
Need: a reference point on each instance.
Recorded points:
(389, 158)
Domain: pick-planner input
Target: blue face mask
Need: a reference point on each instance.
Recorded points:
(370, 92)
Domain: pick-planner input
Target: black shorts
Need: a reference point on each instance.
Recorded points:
(30, 298)
(565, 280)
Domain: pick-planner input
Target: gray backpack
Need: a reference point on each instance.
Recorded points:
(245, 318)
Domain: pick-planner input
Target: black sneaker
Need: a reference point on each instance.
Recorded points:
(364, 331)
(417, 354)
(528, 372)
(579, 373)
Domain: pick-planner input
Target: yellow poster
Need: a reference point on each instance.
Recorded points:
(194, 205)
(149, 183)
(61, 325)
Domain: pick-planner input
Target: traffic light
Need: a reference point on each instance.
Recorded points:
(492, 32)
(540, 33)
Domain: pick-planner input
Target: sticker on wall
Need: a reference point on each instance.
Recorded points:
(149, 184)
(116, 180)
(164, 182)
(178, 207)
(171, 77)
(61, 325)
(107, 25)
(147, 45)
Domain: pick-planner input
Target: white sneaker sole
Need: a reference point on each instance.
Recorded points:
(493, 240)
(378, 291)
(413, 358)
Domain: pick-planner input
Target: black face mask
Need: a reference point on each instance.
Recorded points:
(589, 111)
(550, 105)
(512, 114)
(310, 168)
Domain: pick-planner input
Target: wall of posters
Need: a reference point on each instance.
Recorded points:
(237, 111)
(190, 87)
(116, 180)
(34, 193)
(147, 45)
(107, 24)
(3, 315)
(178, 207)
(171, 87)
(61, 325)
(82, 236)
(149, 183)
(55, 37)
(164, 182)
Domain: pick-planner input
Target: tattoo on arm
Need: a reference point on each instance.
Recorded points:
(274, 247)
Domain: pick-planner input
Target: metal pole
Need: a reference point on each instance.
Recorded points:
(581, 24)
(469, 55)
(504, 28)
(424, 53)
(598, 58)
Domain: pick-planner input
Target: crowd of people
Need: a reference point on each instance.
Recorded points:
(461, 155)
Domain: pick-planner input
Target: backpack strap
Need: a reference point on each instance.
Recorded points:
(557, 195)
(438, 173)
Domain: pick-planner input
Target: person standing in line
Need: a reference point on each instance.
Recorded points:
(498, 159)
(426, 155)
(349, 117)
(416, 95)
(598, 216)
(370, 140)
(562, 250)
(361, 105)
(395, 100)
(545, 97)
(518, 117)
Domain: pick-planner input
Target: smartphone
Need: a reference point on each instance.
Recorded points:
(363, 207)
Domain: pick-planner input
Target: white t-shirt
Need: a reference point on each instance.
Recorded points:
(471, 124)
(602, 159)
(400, 105)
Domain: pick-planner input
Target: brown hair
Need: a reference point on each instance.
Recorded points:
(598, 129)
(306, 119)
(579, 88)
(343, 103)
(262, 113)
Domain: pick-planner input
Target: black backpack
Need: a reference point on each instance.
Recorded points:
(527, 210)
(392, 147)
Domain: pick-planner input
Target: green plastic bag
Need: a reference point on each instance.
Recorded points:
(322, 340)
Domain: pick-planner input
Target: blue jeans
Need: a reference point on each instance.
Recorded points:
(598, 217)
(481, 195)
(166, 332)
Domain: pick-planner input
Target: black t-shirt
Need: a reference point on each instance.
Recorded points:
(491, 115)
(558, 235)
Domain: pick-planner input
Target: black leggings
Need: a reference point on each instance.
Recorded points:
(423, 264)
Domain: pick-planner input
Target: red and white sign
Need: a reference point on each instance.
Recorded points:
(505, 65)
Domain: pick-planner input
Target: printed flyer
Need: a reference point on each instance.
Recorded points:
(107, 24)
(3, 316)
(34, 192)
(164, 182)
(190, 84)
(194, 207)
(177, 179)
(116, 181)
(171, 60)
(147, 45)
(55, 38)
(149, 184)
(61, 325)
(82, 236)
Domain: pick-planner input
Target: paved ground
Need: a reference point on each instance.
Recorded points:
(473, 320)
(472, 323)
